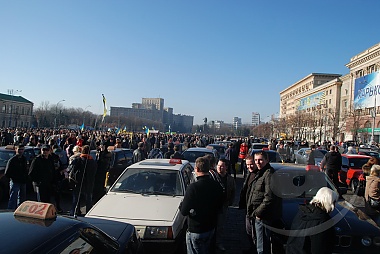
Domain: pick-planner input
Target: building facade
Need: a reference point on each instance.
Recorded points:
(154, 110)
(335, 107)
(236, 122)
(255, 118)
(16, 111)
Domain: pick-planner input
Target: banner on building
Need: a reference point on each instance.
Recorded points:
(367, 91)
(311, 101)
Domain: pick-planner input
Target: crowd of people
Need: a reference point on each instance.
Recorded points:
(65, 157)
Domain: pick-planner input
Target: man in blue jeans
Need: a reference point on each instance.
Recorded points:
(17, 172)
(202, 203)
(263, 206)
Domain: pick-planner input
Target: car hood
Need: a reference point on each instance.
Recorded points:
(137, 209)
(347, 217)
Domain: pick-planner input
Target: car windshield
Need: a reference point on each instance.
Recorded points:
(193, 155)
(357, 162)
(149, 181)
(297, 184)
(5, 156)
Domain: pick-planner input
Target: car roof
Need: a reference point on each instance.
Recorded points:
(33, 232)
(198, 149)
(355, 155)
(260, 150)
(167, 164)
(216, 145)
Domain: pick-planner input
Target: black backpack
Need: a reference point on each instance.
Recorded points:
(76, 170)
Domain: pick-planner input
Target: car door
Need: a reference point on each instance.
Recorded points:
(121, 159)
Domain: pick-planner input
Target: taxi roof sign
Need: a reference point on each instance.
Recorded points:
(37, 210)
(175, 161)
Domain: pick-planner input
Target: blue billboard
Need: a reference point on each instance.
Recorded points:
(311, 101)
(367, 88)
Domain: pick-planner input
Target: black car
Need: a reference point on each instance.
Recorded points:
(30, 231)
(355, 232)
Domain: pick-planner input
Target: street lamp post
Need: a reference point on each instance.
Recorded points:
(56, 113)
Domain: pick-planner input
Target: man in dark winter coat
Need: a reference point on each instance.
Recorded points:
(86, 167)
(17, 172)
(202, 202)
(263, 206)
(244, 196)
(332, 163)
(139, 153)
(42, 172)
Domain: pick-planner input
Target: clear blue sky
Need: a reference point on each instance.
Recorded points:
(214, 59)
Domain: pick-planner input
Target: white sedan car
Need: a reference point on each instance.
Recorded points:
(147, 195)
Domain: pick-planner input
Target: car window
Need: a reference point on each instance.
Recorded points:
(292, 184)
(78, 246)
(100, 241)
(149, 181)
(259, 146)
(193, 155)
(344, 161)
(5, 155)
(357, 162)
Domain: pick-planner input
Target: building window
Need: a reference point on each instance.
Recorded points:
(371, 69)
(329, 101)
(345, 103)
(359, 73)
(330, 91)
(3, 108)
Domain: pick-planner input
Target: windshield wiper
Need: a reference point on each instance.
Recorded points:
(126, 190)
(157, 193)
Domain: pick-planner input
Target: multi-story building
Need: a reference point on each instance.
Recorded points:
(335, 107)
(154, 110)
(16, 111)
(255, 118)
(236, 122)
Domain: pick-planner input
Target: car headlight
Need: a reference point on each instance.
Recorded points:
(376, 240)
(366, 241)
(158, 233)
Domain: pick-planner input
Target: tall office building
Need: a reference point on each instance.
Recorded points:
(255, 118)
(236, 123)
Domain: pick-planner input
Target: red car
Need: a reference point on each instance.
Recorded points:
(352, 172)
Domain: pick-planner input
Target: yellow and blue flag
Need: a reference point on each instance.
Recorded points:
(104, 108)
